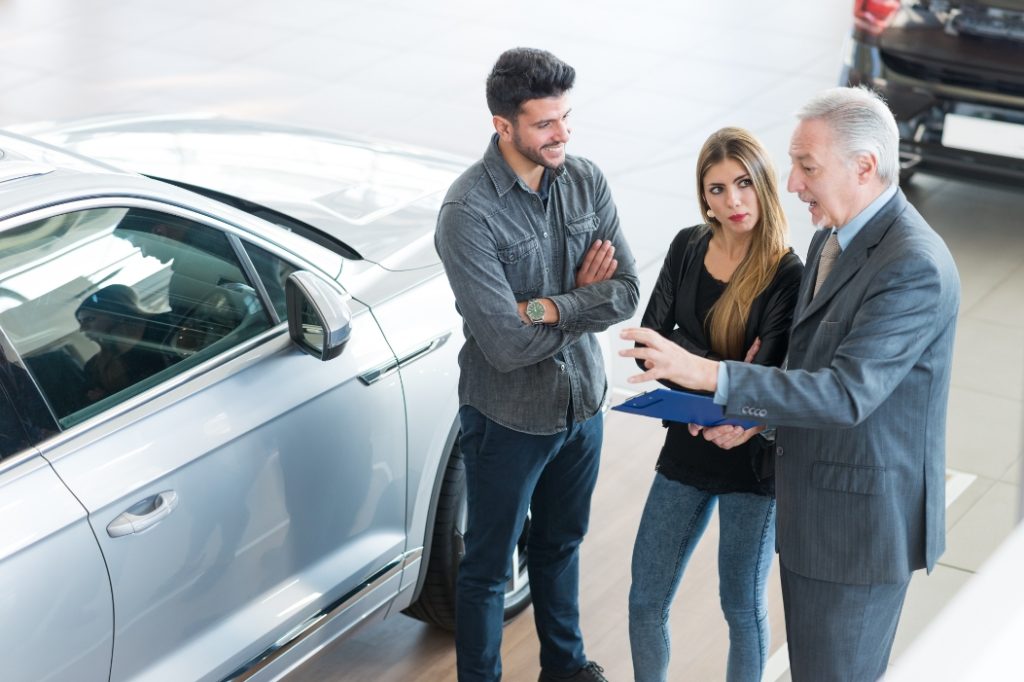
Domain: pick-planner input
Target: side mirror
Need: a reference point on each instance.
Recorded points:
(319, 319)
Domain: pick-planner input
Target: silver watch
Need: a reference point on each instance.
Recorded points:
(535, 311)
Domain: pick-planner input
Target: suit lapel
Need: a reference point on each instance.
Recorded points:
(851, 260)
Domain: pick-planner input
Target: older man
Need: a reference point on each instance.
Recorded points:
(861, 405)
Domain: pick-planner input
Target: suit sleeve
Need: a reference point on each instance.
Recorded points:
(906, 305)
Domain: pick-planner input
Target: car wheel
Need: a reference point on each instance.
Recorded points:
(436, 604)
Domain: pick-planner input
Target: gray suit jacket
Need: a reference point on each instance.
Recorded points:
(861, 405)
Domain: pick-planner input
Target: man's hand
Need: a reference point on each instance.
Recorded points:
(598, 264)
(667, 360)
(726, 436)
(729, 435)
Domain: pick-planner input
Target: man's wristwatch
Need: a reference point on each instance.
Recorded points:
(535, 311)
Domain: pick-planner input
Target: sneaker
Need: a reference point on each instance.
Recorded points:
(591, 672)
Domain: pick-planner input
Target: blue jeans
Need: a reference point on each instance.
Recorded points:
(508, 473)
(673, 521)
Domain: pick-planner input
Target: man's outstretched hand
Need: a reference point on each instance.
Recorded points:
(665, 359)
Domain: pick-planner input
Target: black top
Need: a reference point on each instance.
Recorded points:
(678, 307)
(709, 290)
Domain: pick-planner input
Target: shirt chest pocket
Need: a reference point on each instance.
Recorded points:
(580, 235)
(523, 267)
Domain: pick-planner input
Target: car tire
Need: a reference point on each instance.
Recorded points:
(436, 603)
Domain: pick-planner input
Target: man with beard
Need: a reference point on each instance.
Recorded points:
(531, 244)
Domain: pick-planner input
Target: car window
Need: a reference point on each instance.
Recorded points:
(12, 435)
(25, 418)
(274, 273)
(102, 304)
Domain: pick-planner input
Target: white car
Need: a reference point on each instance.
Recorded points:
(186, 494)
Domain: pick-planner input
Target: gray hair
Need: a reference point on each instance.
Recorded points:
(862, 124)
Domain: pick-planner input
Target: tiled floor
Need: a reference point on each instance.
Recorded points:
(654, 79)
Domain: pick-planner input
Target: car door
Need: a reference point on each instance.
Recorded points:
(237, 487)
(55, 602)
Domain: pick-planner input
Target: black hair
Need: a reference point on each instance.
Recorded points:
(525, 73)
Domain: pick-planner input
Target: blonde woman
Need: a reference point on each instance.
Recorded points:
(727, 291)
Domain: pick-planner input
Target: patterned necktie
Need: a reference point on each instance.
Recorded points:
(829, 253)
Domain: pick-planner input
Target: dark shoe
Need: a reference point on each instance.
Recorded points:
(591, 672)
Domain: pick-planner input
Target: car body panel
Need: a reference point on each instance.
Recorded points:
(54, 576)
(1017, 5)
(429, 375)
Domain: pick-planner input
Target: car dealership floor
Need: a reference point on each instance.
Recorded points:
(653, 80)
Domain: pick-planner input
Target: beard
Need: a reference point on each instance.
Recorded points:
(535, 154)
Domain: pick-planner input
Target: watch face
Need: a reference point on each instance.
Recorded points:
(535, 310)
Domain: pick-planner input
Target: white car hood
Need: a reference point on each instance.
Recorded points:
(380, 199)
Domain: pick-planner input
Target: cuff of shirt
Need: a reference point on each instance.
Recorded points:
(722, 391)
(568, 310)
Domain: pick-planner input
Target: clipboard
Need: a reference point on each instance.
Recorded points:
(680, 406)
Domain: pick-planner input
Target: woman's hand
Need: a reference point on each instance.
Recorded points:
(726, 436)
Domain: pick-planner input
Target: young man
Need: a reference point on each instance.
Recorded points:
(531, 243)
(861, 405)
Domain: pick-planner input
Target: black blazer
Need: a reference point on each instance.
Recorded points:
(671, 311)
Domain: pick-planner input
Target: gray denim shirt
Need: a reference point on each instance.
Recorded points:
(500, 245)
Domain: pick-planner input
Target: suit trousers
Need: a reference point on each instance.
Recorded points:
(838, 632)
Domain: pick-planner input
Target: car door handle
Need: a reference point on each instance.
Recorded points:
(380, 371)
(144, 514)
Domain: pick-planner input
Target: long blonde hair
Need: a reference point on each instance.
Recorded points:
(728, 317)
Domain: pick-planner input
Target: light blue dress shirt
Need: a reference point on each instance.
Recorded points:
(845, 234)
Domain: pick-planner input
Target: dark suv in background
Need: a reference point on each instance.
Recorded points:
(953, 74)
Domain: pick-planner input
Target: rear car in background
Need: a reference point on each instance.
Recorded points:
(952, 72)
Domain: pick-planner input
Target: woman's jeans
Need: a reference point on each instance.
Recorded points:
(674, 519)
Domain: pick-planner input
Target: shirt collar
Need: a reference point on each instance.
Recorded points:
(502, 175)
(850, 229)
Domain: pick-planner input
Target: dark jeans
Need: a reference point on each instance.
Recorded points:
(507, 473)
